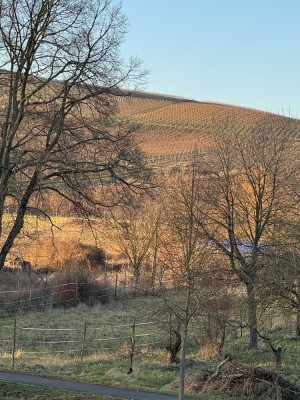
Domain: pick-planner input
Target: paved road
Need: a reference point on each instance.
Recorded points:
(83, 387)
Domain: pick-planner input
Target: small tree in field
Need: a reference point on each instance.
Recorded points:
(185, 254)
(131, 231)
(60, 69)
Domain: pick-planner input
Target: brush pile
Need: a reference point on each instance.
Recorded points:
(253, 383)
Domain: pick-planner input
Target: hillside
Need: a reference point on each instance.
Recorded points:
(172, 129)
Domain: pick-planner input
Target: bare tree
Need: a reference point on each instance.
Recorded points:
(185, 253)
(60, 71)
(131, 232)
(247, 192)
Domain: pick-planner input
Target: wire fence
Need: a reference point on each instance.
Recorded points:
(70, 294)
(43, 297)
(19, 342)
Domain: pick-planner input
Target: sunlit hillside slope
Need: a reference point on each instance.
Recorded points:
(172, 129)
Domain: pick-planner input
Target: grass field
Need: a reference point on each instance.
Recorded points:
(44, 245)
(109, 364)
(14, 391)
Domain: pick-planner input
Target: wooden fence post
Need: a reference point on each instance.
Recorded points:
(132, 347)
(30, 300)
(14, 343)
(116, 286)
(170, 328)
(83, 342)
(76, 291)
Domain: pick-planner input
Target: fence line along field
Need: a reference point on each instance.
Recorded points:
(27, 343)
(101, 344)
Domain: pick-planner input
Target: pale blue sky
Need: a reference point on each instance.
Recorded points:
(242, 52)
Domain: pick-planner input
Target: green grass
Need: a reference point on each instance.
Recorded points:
(264, 358)
(14, 391)
(151, 369)
(18, 391)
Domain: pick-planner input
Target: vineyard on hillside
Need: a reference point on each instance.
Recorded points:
(174, 130)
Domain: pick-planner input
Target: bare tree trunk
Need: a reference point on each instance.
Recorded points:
(10, 239)
(19, 220)
(298, 323)
(183, 361)
(175, 347)
(154, 265)
(137, 274)
(252, 315)
(278, 357)
(277, 351)
(222, 341)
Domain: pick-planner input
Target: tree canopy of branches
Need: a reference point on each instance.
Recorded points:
(60, 68)
(248, 197)
(282, 284)
(131, 232)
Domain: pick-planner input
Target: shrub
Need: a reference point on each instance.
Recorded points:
(20, 293)
(65, 254)
(74, 286)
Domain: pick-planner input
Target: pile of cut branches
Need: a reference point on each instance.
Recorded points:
(253, 383)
